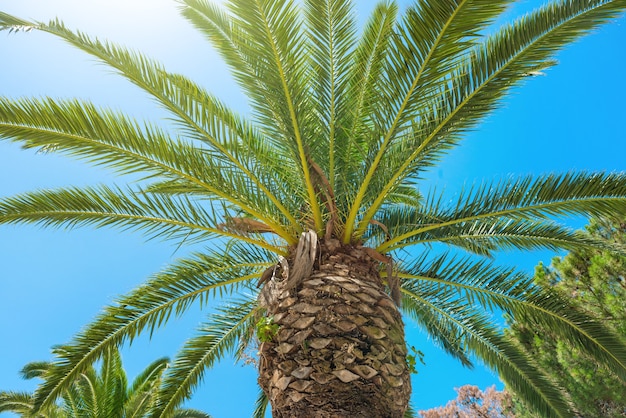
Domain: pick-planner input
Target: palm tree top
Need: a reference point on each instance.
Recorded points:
(344, 124)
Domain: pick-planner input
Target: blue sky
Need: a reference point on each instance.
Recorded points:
(52, 282)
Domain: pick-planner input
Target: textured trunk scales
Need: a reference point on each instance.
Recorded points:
(339, 350)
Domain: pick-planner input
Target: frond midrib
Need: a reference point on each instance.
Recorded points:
(333, 110)
(169, 221)
(486, 237)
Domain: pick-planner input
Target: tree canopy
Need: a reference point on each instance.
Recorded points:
(592, 280)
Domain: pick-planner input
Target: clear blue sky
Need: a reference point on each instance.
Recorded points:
(52, 282)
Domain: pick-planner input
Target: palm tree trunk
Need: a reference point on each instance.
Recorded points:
(339, 350)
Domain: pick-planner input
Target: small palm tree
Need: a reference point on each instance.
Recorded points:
(96, 395)
(315, 205)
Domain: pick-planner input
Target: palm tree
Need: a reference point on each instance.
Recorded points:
(322, 230)
(93, 394)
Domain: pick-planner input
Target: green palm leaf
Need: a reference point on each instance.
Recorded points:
(260, 406)
(112, 382)
(276, 47)
(189, 413)
(436, 321)
(215, 339)
(20, 402)
(140, 395)
(482, 284)
(535, 198)
(110, 139)
(367, 68)
(483, 237)
(97, 394)
(194, 280)
(194, 108)
(430, 38)
(491, 70)
(332, 36)
(479, 335)
(157, 215)
(101, 136)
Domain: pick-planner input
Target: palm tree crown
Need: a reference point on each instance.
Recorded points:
(344, 123)
(97, 394)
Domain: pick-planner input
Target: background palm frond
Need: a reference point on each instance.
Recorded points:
(192, 280)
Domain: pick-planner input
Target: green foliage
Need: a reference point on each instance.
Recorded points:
(344, 123)
(592, 280)
(413, 357)
(266, 329)
(95, 394)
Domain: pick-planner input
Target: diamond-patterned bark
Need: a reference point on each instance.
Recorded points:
(340, 349)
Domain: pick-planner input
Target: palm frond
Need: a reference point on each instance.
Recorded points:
(157, 215)
(260, 405)
(428, 41)
(73, 404)
(141, 394)
(189, 413)
(148, 376)
(445, 332)
(365, 72)
(231, 37)
(479, 283)
(86, 388)
(107, 138)
(431, 36)
(230, 40)
(478, 83)
(534, 198)
(520, 373)
(104, 137)
(276, 46)
(201, 114)
(18, 402)
(138, 404)
(34, 369)
(482, 237)
(481, 337)
(215, 339)
(112, 383)
(236, 143)
(410, 412)
(173, 291)
(105, 206)
(331, 31)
